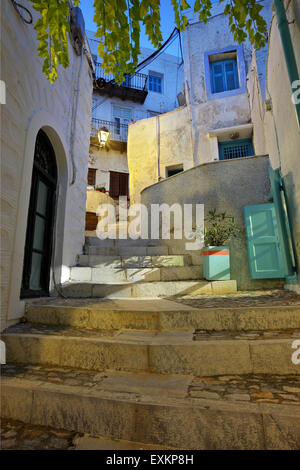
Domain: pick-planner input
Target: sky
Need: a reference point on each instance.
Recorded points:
(167, 24)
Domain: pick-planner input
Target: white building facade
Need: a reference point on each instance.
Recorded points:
(44, 147)
(150, 92)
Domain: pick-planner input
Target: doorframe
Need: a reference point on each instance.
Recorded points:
(45, 121)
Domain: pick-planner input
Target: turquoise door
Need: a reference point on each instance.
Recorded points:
(264, 250)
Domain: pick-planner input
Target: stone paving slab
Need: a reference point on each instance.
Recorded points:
(222, 412)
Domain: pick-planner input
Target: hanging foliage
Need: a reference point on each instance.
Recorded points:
(119, 24)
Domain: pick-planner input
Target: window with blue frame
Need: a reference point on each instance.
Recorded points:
(236, 149)
(155, 82)
(224, 75)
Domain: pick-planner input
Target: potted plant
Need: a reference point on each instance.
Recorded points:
(219, 230)
(101, 189)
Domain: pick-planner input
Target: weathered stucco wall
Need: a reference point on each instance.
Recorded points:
(256, 106)
(281, 129)
(153, 145)
(33, 103)
(227, 186)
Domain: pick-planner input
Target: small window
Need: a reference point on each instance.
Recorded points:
(171, 171)
(91, 176)
(224, 76)
(155, 82)
(236, 149)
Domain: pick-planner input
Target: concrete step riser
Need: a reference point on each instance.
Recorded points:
(148, 289)
(108, 274)
(217, 319)
(201, 425)
(127, 251)
(98, 261)
(120, 242)
(198, 358)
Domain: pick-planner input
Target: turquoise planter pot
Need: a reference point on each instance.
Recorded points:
(216, 263)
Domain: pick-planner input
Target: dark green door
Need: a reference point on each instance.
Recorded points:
(39, 235)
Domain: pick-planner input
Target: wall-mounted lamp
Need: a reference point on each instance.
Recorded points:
(103, 135)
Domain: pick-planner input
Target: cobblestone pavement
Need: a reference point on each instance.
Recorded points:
(244, 299)
(246, 335)
(249, 388)
(259, 298)
(254, 388)
(19, 436)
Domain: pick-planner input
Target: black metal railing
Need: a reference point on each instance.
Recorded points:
(118, 132)
(138, 81)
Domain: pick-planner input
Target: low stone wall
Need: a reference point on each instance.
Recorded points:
(95, 198)
(227, 186)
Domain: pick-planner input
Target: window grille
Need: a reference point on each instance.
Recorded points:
(236, 149)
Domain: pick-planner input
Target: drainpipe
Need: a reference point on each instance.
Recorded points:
(287, 46)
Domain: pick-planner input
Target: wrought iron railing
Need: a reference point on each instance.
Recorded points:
(118, 131)
(138, 81)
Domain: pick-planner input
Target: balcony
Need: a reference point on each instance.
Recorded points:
(133, 88)
(118, 133)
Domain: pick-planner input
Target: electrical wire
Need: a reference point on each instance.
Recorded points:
(171, 38)
(17, 6)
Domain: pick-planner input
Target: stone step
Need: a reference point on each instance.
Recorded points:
(127, 250)
(236, 313)
(100, 261)
(180, 412)
(119, 242)
(153, 289)
(109, 274)
(162, 353)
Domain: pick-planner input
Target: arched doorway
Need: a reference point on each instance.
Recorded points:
(39, 234)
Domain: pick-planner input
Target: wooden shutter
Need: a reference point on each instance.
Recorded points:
(264, 251)
(123, 184)
(118, 184)
(91, 176)
(114, 184)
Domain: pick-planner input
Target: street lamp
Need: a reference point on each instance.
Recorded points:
(103, 135)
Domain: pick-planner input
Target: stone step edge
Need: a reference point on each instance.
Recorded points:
(203, 358)
(205, 318)
(48, 404)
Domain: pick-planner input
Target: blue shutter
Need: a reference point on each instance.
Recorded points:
(265, 256)
(217, 76)
(224, 76)
(231, 78)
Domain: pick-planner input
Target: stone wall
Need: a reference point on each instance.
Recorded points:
(227, 186)
(32, 103)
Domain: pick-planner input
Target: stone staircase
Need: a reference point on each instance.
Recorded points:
(138, 269)
(203, 373)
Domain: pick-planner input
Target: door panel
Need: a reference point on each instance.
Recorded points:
(39, 234)
(265, 255)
